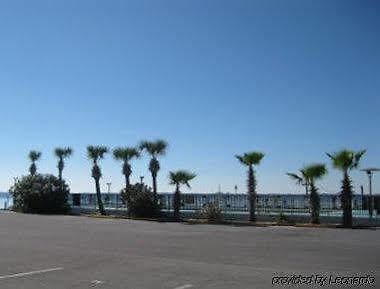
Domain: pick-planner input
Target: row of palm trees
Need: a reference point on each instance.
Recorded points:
(344, 160)
(154, 149)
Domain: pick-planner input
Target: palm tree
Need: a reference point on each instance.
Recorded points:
(312, 173)
(250, 159)
(96, 153)
(34, 156)
(126, 154)
(345, 161)
(179, 178)
(154, 149)
(61, 154)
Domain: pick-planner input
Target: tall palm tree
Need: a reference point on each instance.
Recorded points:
(126, 154)
(179, 178)
(95, 153)
(154, 149)
(345, 161)
(312, 173)
(250, 159)
(61, 154)
(34, 156)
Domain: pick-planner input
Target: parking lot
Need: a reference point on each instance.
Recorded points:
(81, 252)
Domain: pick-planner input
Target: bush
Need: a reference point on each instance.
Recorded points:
(283, 219)
(141, 201)
(41, 194)
(212, 212)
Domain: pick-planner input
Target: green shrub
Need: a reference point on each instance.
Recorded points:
(212, 212)
(282, 219)
(41, 194)
(141, 201)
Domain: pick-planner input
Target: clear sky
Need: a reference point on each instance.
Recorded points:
(294, 79)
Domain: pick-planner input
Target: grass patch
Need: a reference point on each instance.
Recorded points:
(234, 223)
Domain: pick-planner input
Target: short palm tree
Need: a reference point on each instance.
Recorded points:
(34, 156)
(179, 178)
(95, 153)
(154, 149)
(345, 161)
(312, 173)
(250, 159)
(126, 154)
(61, 154)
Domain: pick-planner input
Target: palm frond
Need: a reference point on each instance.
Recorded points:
(330, 156)
(160, 147)
(154, 148)
(148, 146)
(358, 155)
(96, 152)
(63, 152)
(126, 153)
(181, 177)
(34, 155)
(315, 171)
(241, 159)
(250, 158)
(346, 159)
(295, 177)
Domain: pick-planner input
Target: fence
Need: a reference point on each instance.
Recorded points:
(237, 205)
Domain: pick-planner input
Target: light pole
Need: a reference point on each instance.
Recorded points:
(370, 172)
(109, 191)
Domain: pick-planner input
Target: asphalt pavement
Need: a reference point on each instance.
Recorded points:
(81, 252)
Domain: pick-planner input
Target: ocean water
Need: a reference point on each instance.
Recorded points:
(5, 201)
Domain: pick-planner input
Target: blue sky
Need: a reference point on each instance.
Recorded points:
(293, 79)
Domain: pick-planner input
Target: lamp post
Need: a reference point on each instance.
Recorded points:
(109, 191)
(370, 172)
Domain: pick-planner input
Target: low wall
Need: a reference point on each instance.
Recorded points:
(243, 216)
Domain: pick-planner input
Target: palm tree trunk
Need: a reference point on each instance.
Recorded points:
(127, 184)
(307, 197)
(252, 194)
(346, 200)
(127, 181)
(177, 203)
(99, 198)
(60, 179)
(33, 169)
(154, 179)
(127, 171)
(60, 175)
(315, 204)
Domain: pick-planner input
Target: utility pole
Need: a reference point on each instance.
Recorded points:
(109, 191)
(362, 194)
(109, 187)
(370, 172)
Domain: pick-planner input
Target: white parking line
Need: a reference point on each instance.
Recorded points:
(30, 273)
(184, 286)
